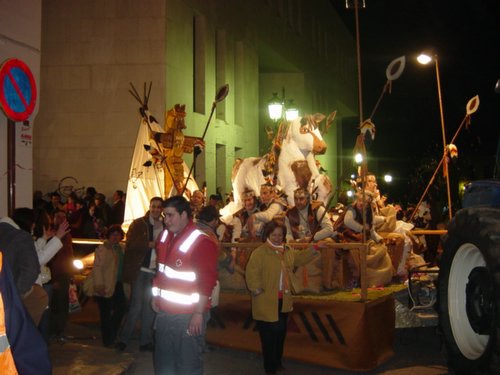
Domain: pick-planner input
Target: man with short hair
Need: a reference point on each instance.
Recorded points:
(270, 207)
(19, 252)
(61, 268)
(307, 220)
(186, 276)
(377, 201)
(54, 204)
(139, 264)
(197, 202)
(353, 220)
(240, 217)
(118, 208)
(208, 222)
(216, 201)
(384, 222)
(102, 209)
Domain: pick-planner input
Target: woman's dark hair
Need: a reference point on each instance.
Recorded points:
(180, 204)
(115, 228)
(24, 217)
(91, 191)
(208, 213)
(42, 220)
(272, 225)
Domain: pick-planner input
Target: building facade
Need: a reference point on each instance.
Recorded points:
(91, 51)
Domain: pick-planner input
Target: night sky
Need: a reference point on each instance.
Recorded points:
(466, 36)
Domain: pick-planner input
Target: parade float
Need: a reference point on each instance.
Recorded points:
(331, 326)
(343, 329)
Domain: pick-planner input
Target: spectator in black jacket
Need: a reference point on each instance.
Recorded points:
(118, 208)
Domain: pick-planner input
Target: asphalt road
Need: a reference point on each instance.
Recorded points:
(417, 351)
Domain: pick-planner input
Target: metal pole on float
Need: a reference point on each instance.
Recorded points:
(471, 108)
(425, 58)
(443, 131)
(363, 249)
(220, 96)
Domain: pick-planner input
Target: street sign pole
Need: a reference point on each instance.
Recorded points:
(11, 166)
(17, 100)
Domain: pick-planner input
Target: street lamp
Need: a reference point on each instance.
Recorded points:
(275, 107)
(291, 112)
(358, 158)
(424, 59)
(388, 178)
(278, 110)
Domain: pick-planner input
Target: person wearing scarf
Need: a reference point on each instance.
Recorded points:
(268, 279)
(108, 285)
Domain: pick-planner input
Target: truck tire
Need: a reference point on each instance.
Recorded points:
(469, 292)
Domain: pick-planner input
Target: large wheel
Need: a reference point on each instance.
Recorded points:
(469, 292)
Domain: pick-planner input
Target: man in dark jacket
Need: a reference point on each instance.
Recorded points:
(139, 265)
(102, 209)
(27, 346)
(118, 208)
(19, 251)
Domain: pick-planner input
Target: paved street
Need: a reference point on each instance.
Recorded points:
(417, 351)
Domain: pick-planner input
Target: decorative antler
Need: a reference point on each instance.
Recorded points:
(329, 121)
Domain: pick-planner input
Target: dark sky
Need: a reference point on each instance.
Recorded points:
(466, 36)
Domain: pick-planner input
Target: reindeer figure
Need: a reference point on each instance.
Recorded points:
(291, 163)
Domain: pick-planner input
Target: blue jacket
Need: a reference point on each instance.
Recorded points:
(28, 348)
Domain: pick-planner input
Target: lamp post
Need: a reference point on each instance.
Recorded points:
(425, 59)
(277, 109)
(291, 112)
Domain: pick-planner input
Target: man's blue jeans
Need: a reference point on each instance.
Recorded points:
(176, 352)
(140, 307)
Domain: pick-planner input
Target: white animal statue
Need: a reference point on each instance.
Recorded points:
(290, 164)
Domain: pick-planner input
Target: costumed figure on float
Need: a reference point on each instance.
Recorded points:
(157, 167)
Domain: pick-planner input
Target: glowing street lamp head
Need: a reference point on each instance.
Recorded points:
(358, 158)
(291, 112)
(275, 108)
(424, 58)
(388, 178)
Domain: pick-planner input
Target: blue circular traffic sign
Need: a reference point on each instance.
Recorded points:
(17, 90)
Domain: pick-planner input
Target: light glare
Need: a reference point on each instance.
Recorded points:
(291, 114)
(424, 59)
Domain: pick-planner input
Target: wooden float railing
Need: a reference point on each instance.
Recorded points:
(418, 232)
(363, 250)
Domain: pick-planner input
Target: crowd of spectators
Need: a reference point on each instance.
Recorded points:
(88, 216)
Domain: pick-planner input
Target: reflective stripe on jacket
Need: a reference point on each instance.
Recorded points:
(175, 285)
